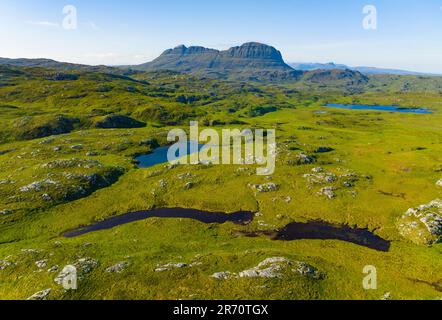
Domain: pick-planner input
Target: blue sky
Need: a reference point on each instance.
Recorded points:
(408, 34)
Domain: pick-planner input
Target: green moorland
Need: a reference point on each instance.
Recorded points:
(66, 155)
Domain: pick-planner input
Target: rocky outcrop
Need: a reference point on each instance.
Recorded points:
(118, 122)
(41, 263)
(302, 159)
(118, 268)
(422, 225)
(41, 295)
(328, 192)
(83, 267)
(5, 264)
(276, 267)
(221, 275)
(68, 186)
(267, 187)
(170, 266)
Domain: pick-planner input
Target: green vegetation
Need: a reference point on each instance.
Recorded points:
(66, 154)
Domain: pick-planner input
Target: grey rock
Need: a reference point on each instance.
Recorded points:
(170, 266)
(171, 166)
(348, 184)
(31, 251)
(37, 186)
(6, 212)
(46, 197)
(302, 159)
(41, 263)
(269, 268)
(162, 184)
(85, 265)
(189, 185)
(276, 267)
(423, 225)
(323, 150)
(222, 275)
(118, 268)
(184, 176)
(5, 264)
(307, 270)
(329, 192)
(386, 296)
(53, 269)
(320, 178)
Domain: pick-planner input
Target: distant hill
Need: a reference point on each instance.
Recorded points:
(250, 61)
(345, 77)
(365, 70)
(59, 66)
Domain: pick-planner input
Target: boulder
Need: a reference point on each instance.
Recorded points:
(6, 212)
(222, 275)
(324, 150)
(439, 183)
(320, 178)
(4, 264)
(307, 270)
(118, 268)
(267, 187)
(386, 296)
(53, 269)
(302, 159)
(41, 263)
(85, 266)
(329, 192)
(276, 267)
(422, 225)
(188, 186)
(170, 266)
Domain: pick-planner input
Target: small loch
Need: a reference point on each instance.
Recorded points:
(315, 230)
(159, 155)
(379, 108)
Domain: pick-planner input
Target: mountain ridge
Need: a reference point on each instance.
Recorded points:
(250, 61)
(310, 66)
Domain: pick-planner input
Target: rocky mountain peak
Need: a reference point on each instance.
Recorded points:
(255, 50)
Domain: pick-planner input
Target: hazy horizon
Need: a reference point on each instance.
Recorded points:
(134, 32)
